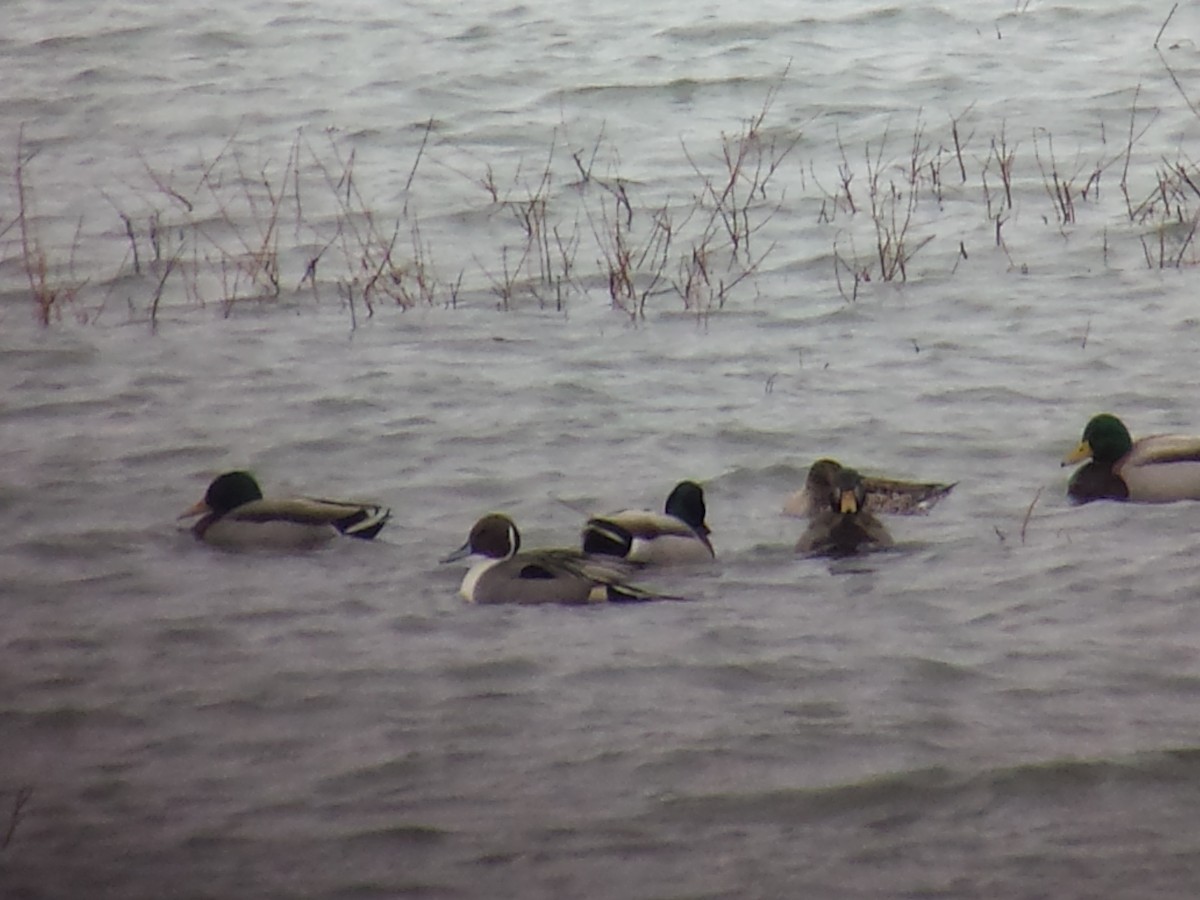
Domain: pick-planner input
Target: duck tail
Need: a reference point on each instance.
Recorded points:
(625, 593)
(606, 538)
(364, 523)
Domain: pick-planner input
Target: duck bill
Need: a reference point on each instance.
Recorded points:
(461, 553)
(849, 503)
(198, 509)
(1079, 454)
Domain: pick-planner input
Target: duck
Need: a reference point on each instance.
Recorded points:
(235, 515)
(677, 535)
(504, 574)
(883, 495)
(844, 526)
(1158, 468)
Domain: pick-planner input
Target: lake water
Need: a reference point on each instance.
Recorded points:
(548, 260)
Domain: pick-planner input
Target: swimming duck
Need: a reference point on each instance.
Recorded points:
(884, 495)
(503, 574)
(1158, 468)
(235, 515)
(845, 526)
(677, 535)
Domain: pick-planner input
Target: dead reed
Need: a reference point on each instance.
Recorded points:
(49, 287)
(245, 226)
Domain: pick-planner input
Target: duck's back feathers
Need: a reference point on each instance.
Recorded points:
(1155, 449)
(644, 523)
(358, 520)
(571, 578)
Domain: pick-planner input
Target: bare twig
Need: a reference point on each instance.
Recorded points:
(1178, 86)
(1028, 513)
(1163, 28)
(14, 817)
(416, 162)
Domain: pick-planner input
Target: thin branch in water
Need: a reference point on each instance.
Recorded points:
(1166, 21)
(416, 162)
(1178, 86)
(14, 816)
(1029, 513)
(158, 290)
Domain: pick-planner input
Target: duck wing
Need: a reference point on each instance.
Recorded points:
(903, 498)
(360, 520)
(1162, 448)
(884, 495)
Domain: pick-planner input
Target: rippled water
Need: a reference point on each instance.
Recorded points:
(1002, 707)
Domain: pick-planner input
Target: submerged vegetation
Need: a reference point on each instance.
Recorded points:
(240, 228)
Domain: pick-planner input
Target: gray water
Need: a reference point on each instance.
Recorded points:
(1002, 707)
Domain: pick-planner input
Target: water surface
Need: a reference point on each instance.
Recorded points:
(1004, 706)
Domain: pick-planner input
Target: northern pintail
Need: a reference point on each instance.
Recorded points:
(504, 574)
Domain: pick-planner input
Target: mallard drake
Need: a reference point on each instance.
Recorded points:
(844, 526)
(677, 535)
(884, 495)
(1158, 468)
(235, 515)
(504, 574)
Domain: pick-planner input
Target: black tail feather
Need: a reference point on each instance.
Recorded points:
(364, 523)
